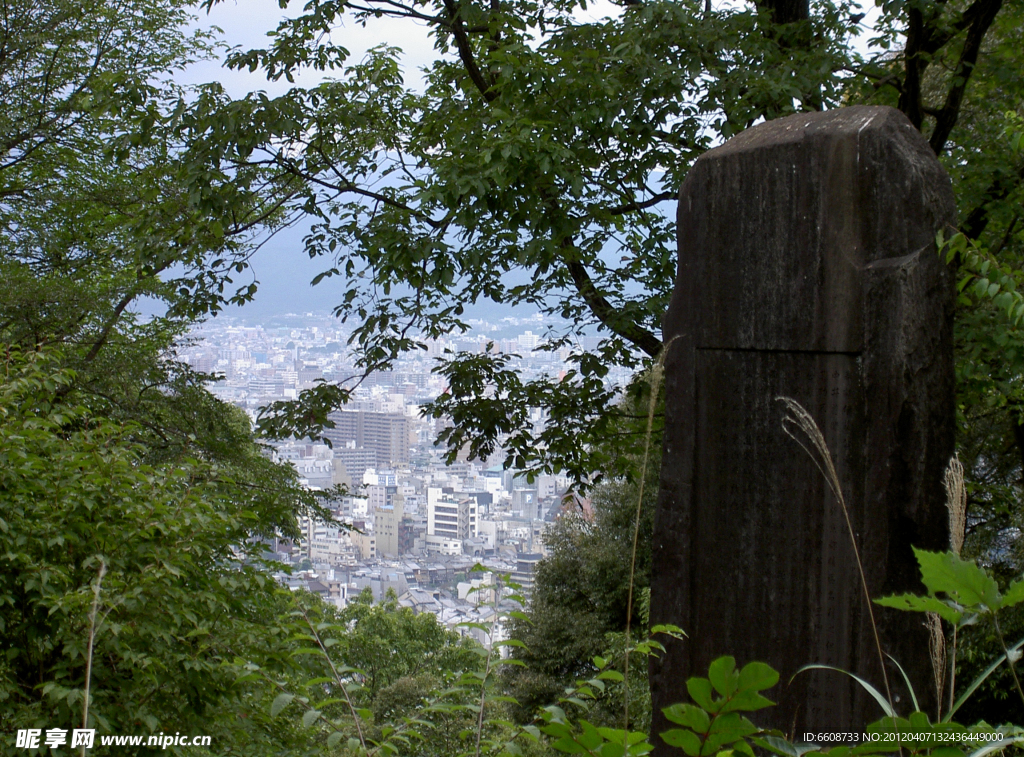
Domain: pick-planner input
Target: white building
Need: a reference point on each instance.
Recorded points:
(449, 517)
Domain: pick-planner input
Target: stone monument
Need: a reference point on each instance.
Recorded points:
(807, 269)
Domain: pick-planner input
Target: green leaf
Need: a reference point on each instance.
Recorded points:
(280, 702)
(692, 717)
(746, 701)
(783, 747)
(961, 579)
(728, 728)
(700, 691)
(560, 730)
(590, 738)
(757, 676)
(723, 676)
(685, 740)
(568, 745)
(1014, 594)
(510, 643)
(310, 717)
(915, 603)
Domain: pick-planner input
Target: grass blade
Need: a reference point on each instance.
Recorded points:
(996, 746)
(980, 680)
(882, 701)
(906, 680)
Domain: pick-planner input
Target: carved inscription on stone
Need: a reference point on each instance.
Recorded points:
(779, 516)
(807, 269)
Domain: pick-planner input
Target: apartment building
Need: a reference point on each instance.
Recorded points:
(386, 434)
(451, 516)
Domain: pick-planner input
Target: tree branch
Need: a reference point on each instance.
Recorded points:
(466, 52)
(600, 307)
(618, 210)
(950, 112)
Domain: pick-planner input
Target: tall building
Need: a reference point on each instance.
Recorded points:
(450, 517)
(381, 497)
(387, 524)
(526, 567)
(355, 460)
(528, 341)
(385, 433)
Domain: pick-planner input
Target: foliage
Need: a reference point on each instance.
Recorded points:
(960, 592)
(989, 352)
(123, 480)
(532, 169)
(388, 643)
(584, 736)
(713, 724)
(536, 164)
(97, 211)
(580, 595)
(167, 550)
(418, 688)
(95, 207)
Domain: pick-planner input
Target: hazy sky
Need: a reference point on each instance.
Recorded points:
(281, 266)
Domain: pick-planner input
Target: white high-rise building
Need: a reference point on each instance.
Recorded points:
(450, 517)
(528, 341)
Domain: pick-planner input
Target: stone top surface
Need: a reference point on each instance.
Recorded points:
(855, 120)
(781, 228)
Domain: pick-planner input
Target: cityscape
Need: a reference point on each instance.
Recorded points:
(413, 524)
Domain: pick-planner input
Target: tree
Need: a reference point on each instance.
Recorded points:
(387, 680)
(133, 505)
(580, 599)
(538, 167)
(990, 349)
(388, 643)
(95, 206)
(97, 211)
(123, 584)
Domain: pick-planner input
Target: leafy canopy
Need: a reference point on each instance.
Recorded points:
(537, 166)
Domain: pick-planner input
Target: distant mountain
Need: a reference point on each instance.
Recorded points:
(284, 272)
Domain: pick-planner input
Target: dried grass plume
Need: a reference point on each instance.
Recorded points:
(800, 426)
(956, 503)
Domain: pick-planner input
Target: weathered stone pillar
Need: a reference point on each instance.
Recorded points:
(807, 269)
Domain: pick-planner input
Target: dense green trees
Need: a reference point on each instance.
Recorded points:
(136, 568)
(388, 644)
(132, 503)
(580, 598)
